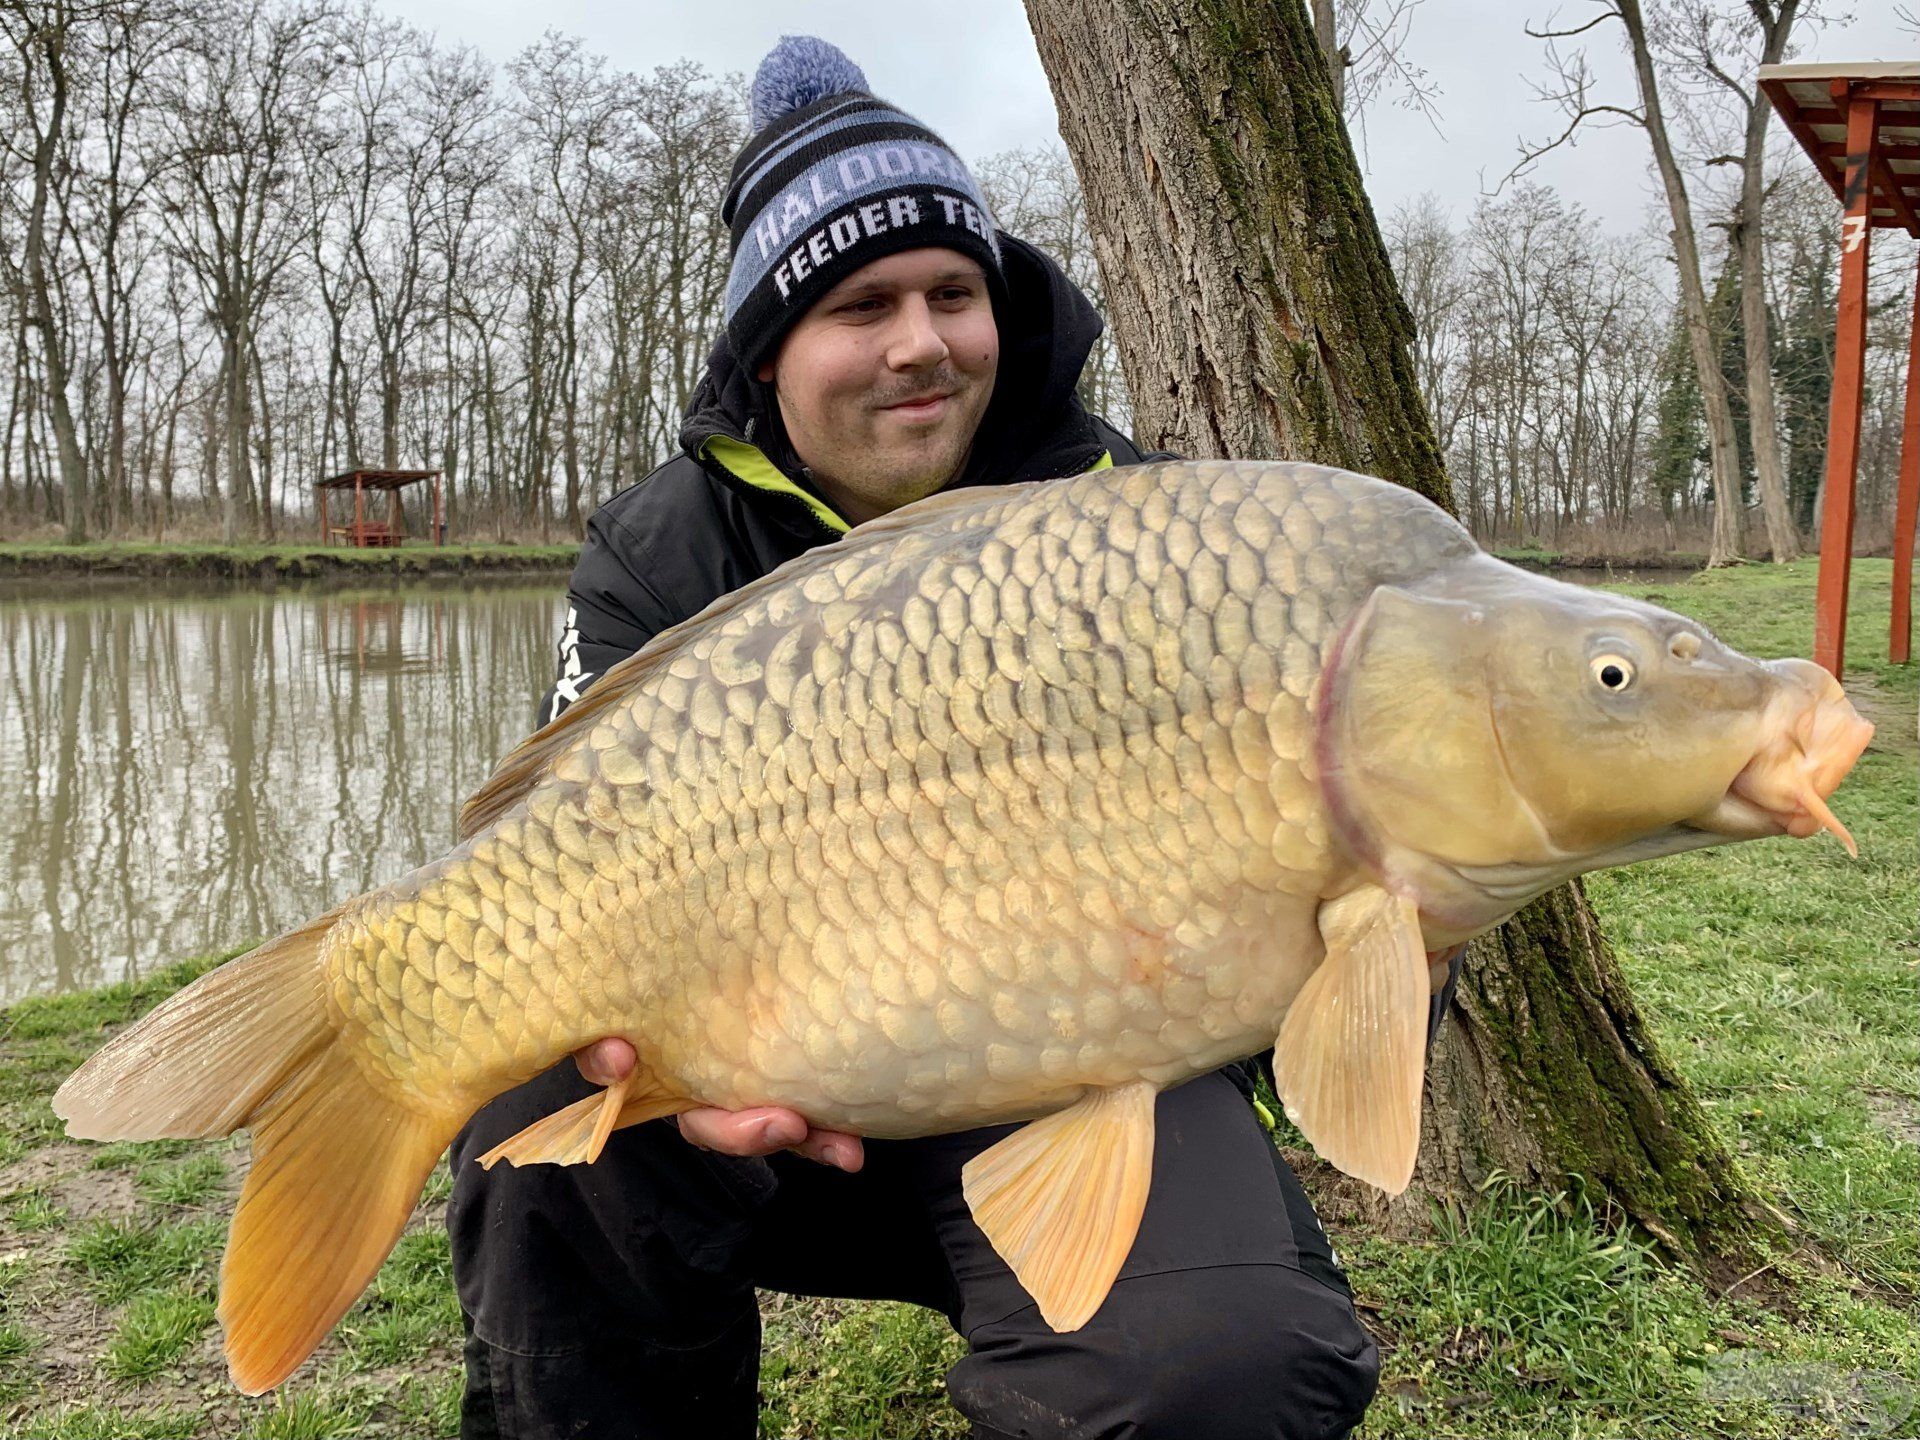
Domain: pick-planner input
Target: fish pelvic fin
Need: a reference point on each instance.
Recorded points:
(575, 1134)
(1060, 1199)
(1351, 1058)
(337, 1161)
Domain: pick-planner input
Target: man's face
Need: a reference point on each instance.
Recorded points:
(883, 382)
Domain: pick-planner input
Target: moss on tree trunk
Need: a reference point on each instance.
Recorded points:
(1257, 315)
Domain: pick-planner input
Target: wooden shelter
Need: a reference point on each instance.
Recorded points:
(1861, 126)
(362, 529)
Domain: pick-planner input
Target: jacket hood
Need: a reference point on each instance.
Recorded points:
(1034, 428)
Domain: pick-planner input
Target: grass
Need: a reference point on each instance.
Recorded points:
(155, 1330)
(1781, 978)
(118, 1259)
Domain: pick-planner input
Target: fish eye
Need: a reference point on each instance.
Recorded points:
(1614, 672)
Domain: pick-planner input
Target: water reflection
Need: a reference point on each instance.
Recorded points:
(190, 770)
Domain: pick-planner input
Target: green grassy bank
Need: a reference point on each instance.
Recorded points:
(1782, 977)
(157, 560)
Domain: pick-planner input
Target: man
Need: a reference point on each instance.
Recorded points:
(883, 342)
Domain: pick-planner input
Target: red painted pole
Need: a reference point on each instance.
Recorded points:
(360, 513)
(1849, 377)
(1906, 509)
(439, 535)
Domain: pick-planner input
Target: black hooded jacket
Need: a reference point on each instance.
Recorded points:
(735, 503)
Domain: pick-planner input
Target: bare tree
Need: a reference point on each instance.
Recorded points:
(108, 200)
(1727, 49)
(236, 102)
(48, 38)
(1571, 90)
(1364, 43)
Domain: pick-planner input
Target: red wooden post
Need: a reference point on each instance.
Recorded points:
(440, 536)
(360, 512)
(1907, 508)
(1849, 375)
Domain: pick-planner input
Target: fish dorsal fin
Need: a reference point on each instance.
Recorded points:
(528, 763)
(1061, 1198)
(1351, 1057)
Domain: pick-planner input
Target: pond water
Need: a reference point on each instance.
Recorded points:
(189, 769)
(194, 768)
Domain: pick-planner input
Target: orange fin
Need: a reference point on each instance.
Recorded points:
(1351, 1058)
(337, 1162)
(337, 1167)
(1061, 1198)
(576, 1133)
(206, 1057)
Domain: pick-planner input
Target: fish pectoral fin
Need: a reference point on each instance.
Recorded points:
(576, 1134)
(1061, 1198)
(1351, 1057)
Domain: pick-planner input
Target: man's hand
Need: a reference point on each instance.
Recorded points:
(759, 1131)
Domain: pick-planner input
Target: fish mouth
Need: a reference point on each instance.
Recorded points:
(1815, 738)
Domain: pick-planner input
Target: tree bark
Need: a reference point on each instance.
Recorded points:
(1257, 316)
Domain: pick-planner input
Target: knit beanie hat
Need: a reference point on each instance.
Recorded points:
(831, 180)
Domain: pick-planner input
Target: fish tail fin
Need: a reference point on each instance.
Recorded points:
(337, 1162)
(337, 1168)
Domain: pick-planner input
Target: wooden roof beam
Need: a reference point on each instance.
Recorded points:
(1895, 193)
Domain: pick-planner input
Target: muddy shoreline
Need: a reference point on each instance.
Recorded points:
(289, 562)
(1550, 561)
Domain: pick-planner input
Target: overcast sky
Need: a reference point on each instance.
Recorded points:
(971, 73)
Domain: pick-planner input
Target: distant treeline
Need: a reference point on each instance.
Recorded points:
(1556, 367)
(250, 245)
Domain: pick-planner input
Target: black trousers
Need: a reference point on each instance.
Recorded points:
(615, 1301)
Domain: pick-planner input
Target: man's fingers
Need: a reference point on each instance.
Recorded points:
(759, 1131)
(830, 1147)
(765, 1129)
(606, 1062)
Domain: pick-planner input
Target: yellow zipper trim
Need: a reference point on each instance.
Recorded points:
(745, 462)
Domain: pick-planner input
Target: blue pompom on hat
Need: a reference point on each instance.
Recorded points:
(831, 180)
(797, 72)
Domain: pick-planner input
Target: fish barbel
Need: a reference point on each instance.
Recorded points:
(1019, 803)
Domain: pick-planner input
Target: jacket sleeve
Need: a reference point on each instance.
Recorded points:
(611, 612)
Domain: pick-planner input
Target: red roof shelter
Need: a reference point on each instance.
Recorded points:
(1861, 126)
(362, 530)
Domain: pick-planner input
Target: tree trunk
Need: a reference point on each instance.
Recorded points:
(47, 144)
(1326, 34)
(1723, 444)
(1783, 538)
(1257, 316)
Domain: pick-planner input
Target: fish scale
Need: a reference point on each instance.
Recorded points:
(865, 847)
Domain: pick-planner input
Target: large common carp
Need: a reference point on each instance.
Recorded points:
(1018, 803)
